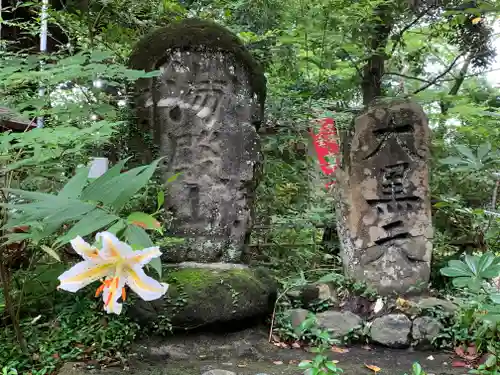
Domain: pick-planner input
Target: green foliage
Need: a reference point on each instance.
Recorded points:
(473, 271)
(83, 207)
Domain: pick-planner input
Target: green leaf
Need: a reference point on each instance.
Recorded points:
(305, 365)
(484, 263)
(160, 199)
(90, 223)
(139, 239)
(137, 183)
(483, 150)
(451, 160)
(472, 261)
(74, 187)
(31, 195)
(173, 178)
(495, 297)
(461, 282)
(466, 151)
(50, 252)
(92, 191)
(143, 220)
(456, 268)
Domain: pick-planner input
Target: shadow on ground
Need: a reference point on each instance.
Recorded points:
(248, 353)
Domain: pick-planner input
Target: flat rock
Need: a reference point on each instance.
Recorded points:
(391, 330)
(219, 372)
(199, 297)
(339, 323)
(425, 329)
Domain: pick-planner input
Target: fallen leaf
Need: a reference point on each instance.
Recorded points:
(55, 356)
(476, 20)
(241, 365)
(459, 364)
(366, 347)
(278, 362)
(336, 349)
(293, 362)
(296, 345)
(373, 368)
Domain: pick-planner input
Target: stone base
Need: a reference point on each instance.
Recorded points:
(204, 294)
(399, 323)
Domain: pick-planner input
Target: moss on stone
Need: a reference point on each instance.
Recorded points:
(200, 296)
(196, 35)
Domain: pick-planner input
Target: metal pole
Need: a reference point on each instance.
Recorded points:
(43, 49)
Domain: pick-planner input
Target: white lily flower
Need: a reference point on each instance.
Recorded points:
(116, 265)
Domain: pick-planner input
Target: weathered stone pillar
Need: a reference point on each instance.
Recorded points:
(383, 199)
(204, 110)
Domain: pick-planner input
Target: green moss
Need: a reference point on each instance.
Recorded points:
(200, 277)
(196, 35)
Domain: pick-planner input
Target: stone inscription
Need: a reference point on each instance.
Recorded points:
(203, 108)
(386, 235)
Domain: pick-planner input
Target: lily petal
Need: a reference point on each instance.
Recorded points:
(144, 256)
(112, 247)
(111, 295)
(83, 274)
(84, 249)
(146, 287)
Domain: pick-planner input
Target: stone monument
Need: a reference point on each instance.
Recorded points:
(383, 200)
(204, 110)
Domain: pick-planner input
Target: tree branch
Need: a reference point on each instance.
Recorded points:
(438, 77)
(407, 77)
(399, 37)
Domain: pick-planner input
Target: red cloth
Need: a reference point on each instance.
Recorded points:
(326, 144)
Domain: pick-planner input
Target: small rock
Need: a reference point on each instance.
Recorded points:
(175, 352)
(425, 329)
(340, 323)
(219, 372)
(391, 330)
(297, 316)
(433, 302)
(247, 351)
(319, 292)
(294, 293)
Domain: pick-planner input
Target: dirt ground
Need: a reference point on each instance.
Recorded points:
(249, 353)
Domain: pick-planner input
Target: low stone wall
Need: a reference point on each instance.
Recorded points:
(395, 323)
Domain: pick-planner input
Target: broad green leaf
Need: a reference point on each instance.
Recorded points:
(484, 262)
(110, 190)
(15, 237)
(75, 185)
(90, 223)
(143, 220)
(137, 237)
(472, 261)
(74, 211)
(31, 195)
(461, 282)
(456, 268)
(92, 191)
(495, 297)
(452, 160)
(483, 150)
(137, 183)
(466, 151)
(51, 252)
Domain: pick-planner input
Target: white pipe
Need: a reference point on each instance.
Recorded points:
(43, 48)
